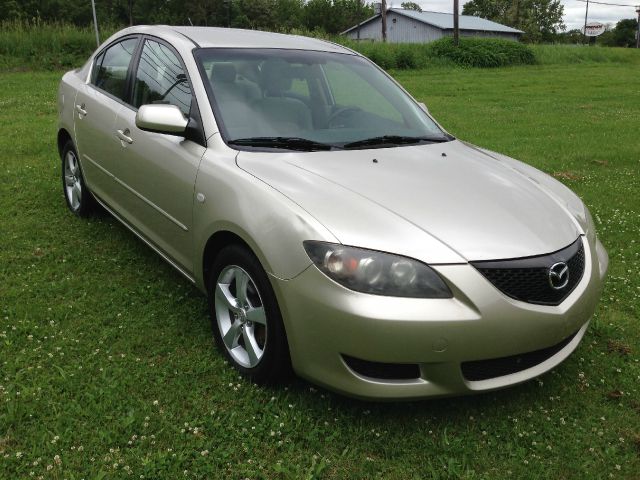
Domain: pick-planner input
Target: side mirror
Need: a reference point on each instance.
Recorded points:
(160, 118)
(423, 107)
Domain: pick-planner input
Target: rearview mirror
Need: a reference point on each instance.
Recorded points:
(423, 107)
(161, 119)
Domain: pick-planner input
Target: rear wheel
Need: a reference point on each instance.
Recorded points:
(245, 318)
(79, 199)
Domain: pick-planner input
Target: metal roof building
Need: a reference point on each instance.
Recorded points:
(410, 26)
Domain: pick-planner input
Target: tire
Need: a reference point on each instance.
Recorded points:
(245, 318)
(79, 199)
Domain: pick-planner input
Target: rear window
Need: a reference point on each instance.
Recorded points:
(111, 66)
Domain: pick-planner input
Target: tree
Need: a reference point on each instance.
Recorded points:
(573, 36)
(330, 16)
(334, 16)
(411, 6)
(541, 20)
(624, 35)
(496, 10)
(288, 14)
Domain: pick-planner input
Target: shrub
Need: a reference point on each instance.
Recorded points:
(407, 56)
(402, 56)
(483, 52)
(571, 54)
(379, 53)
(46, 46)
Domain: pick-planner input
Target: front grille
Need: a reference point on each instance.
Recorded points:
(386, 371)
(527, 279)
(498, 367)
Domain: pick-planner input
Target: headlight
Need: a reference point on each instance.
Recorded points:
(374, 272)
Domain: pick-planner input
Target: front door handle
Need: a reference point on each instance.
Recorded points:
(124, 136)
(80, 108)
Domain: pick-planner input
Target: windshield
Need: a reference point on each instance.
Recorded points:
(308, 100)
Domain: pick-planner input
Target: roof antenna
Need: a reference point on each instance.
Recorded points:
(189, 18)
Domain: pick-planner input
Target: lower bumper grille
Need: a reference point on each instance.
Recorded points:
(385, 371)
(498, 367)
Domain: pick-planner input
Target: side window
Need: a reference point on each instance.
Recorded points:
(111, 66)
(161, 79)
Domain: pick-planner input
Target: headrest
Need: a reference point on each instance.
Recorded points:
(223, 73)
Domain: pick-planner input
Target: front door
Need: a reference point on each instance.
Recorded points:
(157, 172)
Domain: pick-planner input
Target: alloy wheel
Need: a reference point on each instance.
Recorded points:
(72, 180)
(240, 316)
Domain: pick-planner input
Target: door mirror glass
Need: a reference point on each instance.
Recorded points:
(166, 119)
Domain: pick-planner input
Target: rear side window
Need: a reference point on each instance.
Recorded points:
(161, 79)
(110, 68)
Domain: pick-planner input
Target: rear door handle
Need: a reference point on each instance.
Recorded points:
(81, 110)
(124, 135)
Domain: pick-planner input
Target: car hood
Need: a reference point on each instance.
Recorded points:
(441, 203)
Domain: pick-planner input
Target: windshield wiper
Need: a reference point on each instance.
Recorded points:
(393, 140)
(286, 143)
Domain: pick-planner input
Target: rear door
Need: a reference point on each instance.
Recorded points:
(96, 107)
(157, 172)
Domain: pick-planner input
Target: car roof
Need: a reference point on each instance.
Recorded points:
(211, 37)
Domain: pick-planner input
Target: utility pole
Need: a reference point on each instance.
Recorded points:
(586, 16)
(384, 20)
(638, 32)
(359, 17)
(130, 13)
(95, 22)
(456, 26)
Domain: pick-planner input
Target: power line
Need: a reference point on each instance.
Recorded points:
(610, 4)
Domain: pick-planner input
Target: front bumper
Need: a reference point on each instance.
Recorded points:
(325, 321)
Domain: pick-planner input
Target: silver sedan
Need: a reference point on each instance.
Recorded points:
(336, 228)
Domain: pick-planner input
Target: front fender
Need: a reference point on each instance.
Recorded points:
(238, 202)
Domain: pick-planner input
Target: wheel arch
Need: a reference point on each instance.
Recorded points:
(282, 367)
(63, 137)
(216, 242)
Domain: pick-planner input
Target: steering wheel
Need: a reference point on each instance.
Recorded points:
(341, 112)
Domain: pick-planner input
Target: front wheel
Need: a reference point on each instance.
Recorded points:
(245, 318)
(79, 199)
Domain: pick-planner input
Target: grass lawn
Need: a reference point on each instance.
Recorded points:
(107, 368)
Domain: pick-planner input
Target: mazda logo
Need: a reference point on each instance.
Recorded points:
(558, 275)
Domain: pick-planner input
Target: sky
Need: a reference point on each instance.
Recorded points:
(573, 10)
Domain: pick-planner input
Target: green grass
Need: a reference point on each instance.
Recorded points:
(106, 359)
